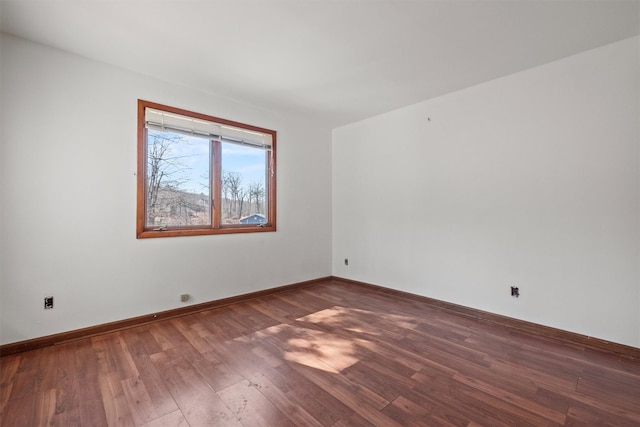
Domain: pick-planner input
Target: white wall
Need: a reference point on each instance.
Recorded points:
(530, 180)
(68, 195)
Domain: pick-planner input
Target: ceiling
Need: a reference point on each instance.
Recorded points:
(332, 61)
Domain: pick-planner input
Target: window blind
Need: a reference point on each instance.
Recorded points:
(176, 123)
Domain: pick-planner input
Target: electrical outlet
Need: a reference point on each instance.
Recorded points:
(346, 261)
(184, 297)
(48, 303)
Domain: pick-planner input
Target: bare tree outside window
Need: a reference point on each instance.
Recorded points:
(171, 199)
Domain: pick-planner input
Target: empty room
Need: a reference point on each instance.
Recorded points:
(319, 213)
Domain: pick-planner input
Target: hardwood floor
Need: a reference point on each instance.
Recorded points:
(331, 354)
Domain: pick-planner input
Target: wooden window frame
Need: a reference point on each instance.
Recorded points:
(142, 231)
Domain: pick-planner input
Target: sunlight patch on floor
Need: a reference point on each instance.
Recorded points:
(351, 319)
(327, 351)
(321, 350)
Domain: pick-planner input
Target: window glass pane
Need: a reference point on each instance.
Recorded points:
(244, 172)
(178, 177)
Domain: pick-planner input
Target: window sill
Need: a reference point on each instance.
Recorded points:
(147, 234)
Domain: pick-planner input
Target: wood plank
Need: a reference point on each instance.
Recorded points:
(357, 397)
(112, 356)
(8, 369)
(89, 396)
(25, 380)
(199, 404)
(68, 389)
(142, 408)
(512, 398)
(45, 403)
(21, 411)
(321, 404)
(282, 400)
(580, 414)
(251, 407)
(409, 413)
(193, 336)
(160, 400)
(218, 375)
(172, 419)
(114, 401)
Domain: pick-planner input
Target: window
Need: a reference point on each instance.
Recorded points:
(199, 174)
